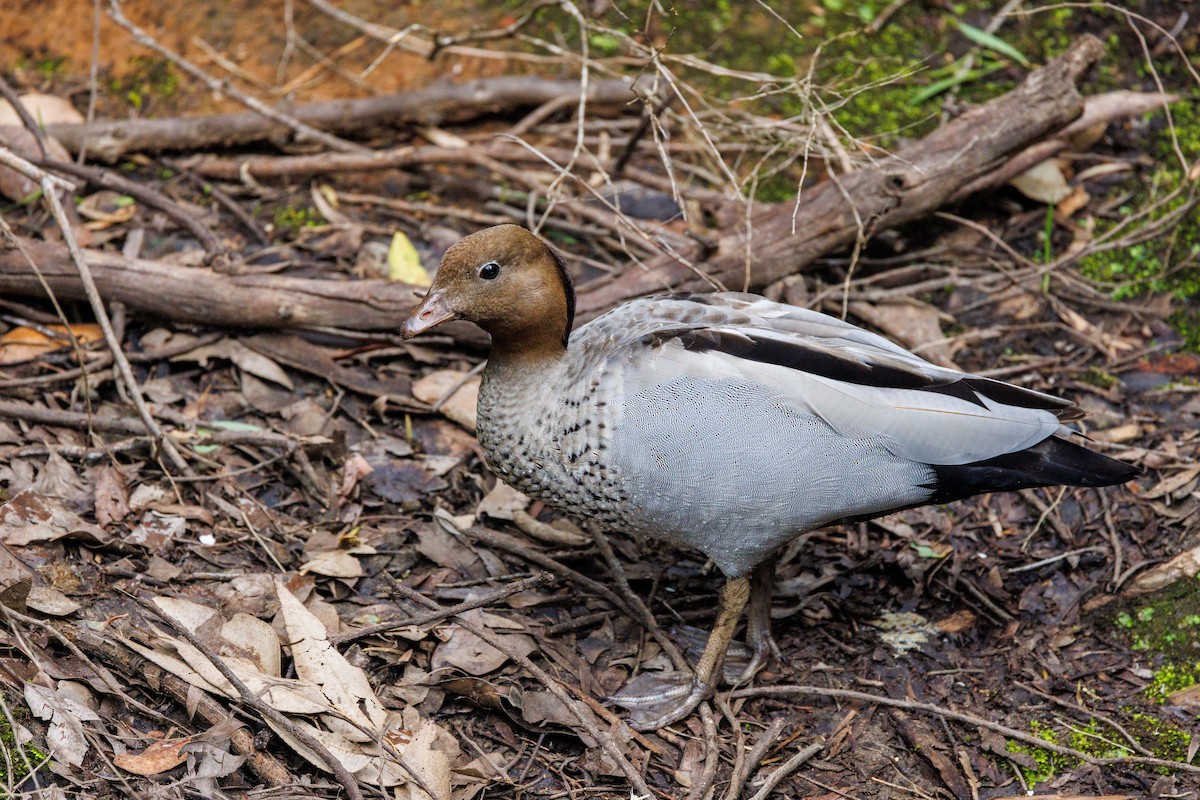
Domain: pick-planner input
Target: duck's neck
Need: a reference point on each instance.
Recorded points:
(527, 356)
(523, 367)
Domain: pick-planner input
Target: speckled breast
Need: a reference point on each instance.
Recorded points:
(549, 438)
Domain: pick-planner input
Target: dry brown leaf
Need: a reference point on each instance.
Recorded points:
(541, 708)
(428, 753)
(1043, 182)
(46, 109)
(463, 401)
(335, 564)
(959, 621)
(159, 757)
(1173, 484)
(13, 184)
(1188, 699)
(106, 208)
(246, 359)
(65, 737)
(51, 601)
(112, 496)
(316, 660)
(355, 469)
(254, 640)
(1119, 433)
(1185, 565)
(1069, 205)
(32, 517)
(26, 344)
(501, 502)
(472, 655)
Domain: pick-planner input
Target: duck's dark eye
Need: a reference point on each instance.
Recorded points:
(489, 270)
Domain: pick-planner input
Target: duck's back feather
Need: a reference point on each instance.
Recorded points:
(735, 423)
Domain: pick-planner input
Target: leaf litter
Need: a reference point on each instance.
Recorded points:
(286, 550)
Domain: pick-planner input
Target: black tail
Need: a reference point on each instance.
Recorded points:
(1051, 462)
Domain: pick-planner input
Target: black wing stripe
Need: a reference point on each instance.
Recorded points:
(797, 355)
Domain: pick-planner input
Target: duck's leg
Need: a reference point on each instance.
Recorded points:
(758, 620)
(734, 595)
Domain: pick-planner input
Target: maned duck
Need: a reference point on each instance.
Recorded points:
(729, 423)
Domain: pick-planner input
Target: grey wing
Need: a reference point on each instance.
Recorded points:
(858, 383)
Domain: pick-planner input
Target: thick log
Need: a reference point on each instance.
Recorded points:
(439, 104)
(205, 296)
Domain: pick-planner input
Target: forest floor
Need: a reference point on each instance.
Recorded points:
(317, 517)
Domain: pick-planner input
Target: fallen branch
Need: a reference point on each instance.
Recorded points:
(917, 179)
(439, 104)
(786, 236)
(205, 296)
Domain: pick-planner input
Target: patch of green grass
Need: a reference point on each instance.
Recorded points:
(289, 220)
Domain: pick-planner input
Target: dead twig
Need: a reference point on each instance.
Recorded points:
(712, 755)
(439, 104)
(745, 763)
(780, 773)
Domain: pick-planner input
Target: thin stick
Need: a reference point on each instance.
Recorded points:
(747, 763)
(712, 757)
(641, 612)
(787, 768)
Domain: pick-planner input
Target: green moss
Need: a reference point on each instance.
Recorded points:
(1099, 378)
(1161, 738)
(1048, 763)
(1166, 628)
(1098, 740)
(1170, 678)
(289, 220)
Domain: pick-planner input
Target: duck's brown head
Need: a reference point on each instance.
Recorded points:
(508, 282)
